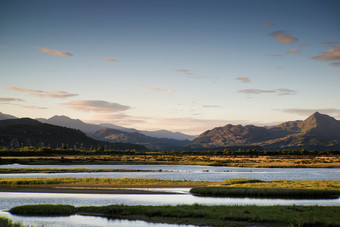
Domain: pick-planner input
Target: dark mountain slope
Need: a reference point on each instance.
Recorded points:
(319, 131)
(26, 132)
(153, 143)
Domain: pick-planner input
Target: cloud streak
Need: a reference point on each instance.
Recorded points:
(54, 52)
(243, 79)
(157, 89)
(99, 106)
(267, 24)
(109, 59)
(211, 106)
(41, 93)
(191, 75)
(280, 91)
(283, 37)
(329, 55)
(2, 100)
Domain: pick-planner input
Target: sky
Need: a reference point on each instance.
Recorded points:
(180, 65)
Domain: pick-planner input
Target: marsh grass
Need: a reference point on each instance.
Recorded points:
(6, 222)
(43, 210)
(208, 215)
(88, 181)
(265, 193)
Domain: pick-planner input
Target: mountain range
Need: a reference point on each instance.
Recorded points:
(29, 132)
(91, 128)
(318, 131)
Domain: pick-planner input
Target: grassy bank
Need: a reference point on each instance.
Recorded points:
(272, 189)
(277, 161)
(138, 182)
(114, 182)
(202, 215)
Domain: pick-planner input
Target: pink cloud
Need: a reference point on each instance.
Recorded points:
(109, 59)
(335, 63)
(41, 93)
(283, 37)
(267, 24)
(169, 91)
(243, 79)
(96, 106)
(330, 55)
(54, 52)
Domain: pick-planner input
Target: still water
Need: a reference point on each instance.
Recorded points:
(187, 172)
(172, 172)
(81, 221)
(11, 199)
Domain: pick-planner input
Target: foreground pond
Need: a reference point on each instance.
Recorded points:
(187, 172)
(81, 221)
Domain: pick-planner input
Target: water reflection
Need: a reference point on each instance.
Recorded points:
(183, 172)
(12, 199)
(81, 221)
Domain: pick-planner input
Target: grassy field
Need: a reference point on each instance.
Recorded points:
(201, 214)
(277, 161)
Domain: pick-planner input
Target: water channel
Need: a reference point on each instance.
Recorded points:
(173, 172)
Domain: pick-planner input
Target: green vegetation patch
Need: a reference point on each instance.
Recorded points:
(6, 222)
(210, 215)
(43, 210)
(264, 193)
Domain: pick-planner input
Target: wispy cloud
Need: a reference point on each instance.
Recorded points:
(211, 106)
(243, 79)
(54, 52)
(307, 112)
(96, 106)
(41, 93)
(332, 43)
(109, 59)
(192, 75)
(3, 47)
(169, 91)
(283, 37)
(280, 91)
(120, 119)
(285, 91)
(292, 51)
(330, 55)
(267, 24)
(335, 63)
(2, 100)
(33, 107)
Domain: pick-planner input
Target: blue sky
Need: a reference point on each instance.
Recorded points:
(181, 65)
